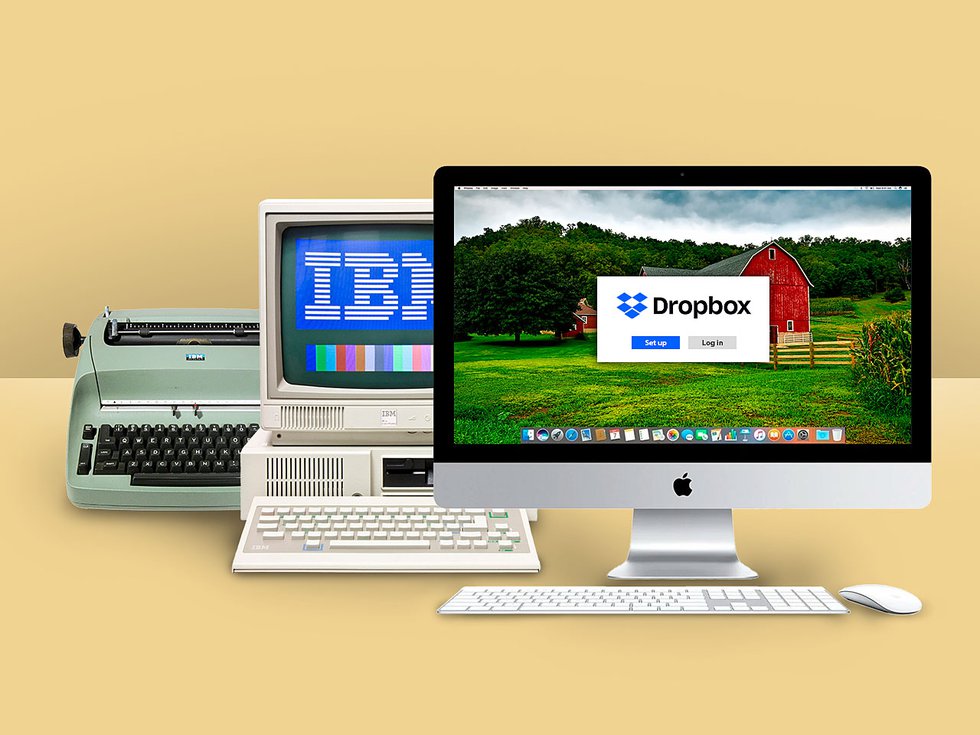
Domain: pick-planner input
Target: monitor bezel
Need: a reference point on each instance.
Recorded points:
(278, 215)
(449, 177)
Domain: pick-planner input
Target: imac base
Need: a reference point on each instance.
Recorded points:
(682, 544)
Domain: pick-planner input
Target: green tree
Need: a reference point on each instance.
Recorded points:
(514, 289)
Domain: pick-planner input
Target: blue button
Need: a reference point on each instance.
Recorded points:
(657, 343)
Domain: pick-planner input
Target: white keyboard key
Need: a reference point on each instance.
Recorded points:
(267, 526)
(372, 544)
(273, 535)
(446, 544)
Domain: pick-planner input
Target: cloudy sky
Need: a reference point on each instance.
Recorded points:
(735, 217)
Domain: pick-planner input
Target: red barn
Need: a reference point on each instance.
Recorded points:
(584, 320)
(789, 287)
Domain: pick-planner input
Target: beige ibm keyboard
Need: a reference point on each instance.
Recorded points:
(373, 534)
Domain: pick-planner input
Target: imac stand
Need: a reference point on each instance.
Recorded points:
(682, 544)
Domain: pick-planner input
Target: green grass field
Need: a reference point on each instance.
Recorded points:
(502, 387)
(828, 328)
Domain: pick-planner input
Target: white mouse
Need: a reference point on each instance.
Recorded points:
(883, 598)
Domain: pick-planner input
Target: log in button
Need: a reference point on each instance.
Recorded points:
(711, 343)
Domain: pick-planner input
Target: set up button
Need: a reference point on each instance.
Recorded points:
(669, 342)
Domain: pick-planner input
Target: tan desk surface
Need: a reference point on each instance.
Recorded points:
(133, 622)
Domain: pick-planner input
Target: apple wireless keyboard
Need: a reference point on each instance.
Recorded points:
(741, 600)
(374, 534)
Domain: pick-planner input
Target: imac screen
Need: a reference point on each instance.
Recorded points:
(356, 306)
(752, 315)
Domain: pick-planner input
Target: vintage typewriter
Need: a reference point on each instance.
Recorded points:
(163, 402)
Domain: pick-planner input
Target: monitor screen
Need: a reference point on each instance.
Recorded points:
(701, 316)
(356, 306)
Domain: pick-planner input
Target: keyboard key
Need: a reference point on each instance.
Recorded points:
(372, 544)
(84, 459)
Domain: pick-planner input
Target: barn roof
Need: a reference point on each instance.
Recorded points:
(648, 270)
(732, 266)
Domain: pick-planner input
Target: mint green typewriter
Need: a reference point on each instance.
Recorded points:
(163, 402)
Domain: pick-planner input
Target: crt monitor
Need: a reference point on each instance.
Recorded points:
(683, 341)
(346, 292)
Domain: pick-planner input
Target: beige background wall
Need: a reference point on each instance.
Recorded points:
(136, 140)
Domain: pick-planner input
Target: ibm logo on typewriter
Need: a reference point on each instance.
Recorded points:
(632, 306)
(361, 284)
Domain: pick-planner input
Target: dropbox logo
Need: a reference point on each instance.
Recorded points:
(632, 306)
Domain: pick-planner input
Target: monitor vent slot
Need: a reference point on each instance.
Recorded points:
(312, 418)
(304, 477)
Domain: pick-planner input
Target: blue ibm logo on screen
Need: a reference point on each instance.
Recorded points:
(361, 284)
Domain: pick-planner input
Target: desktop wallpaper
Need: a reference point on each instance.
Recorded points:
(530, 314)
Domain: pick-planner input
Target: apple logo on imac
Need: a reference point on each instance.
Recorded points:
(682, 486)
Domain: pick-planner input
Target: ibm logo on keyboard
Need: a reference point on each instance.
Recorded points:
(360, 284)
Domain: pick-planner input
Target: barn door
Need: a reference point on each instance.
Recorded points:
(773, 334)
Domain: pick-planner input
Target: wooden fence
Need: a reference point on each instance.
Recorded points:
(812, 354)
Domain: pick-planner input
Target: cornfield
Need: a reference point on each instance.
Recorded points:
(883, 362)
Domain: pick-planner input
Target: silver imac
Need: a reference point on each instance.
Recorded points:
(346, 310)
(682, 342)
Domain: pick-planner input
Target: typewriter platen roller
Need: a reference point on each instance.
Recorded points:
(131, 333)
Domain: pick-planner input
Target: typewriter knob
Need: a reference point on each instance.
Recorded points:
(71, 339)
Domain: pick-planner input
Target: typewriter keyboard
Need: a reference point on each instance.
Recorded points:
(175, 455)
